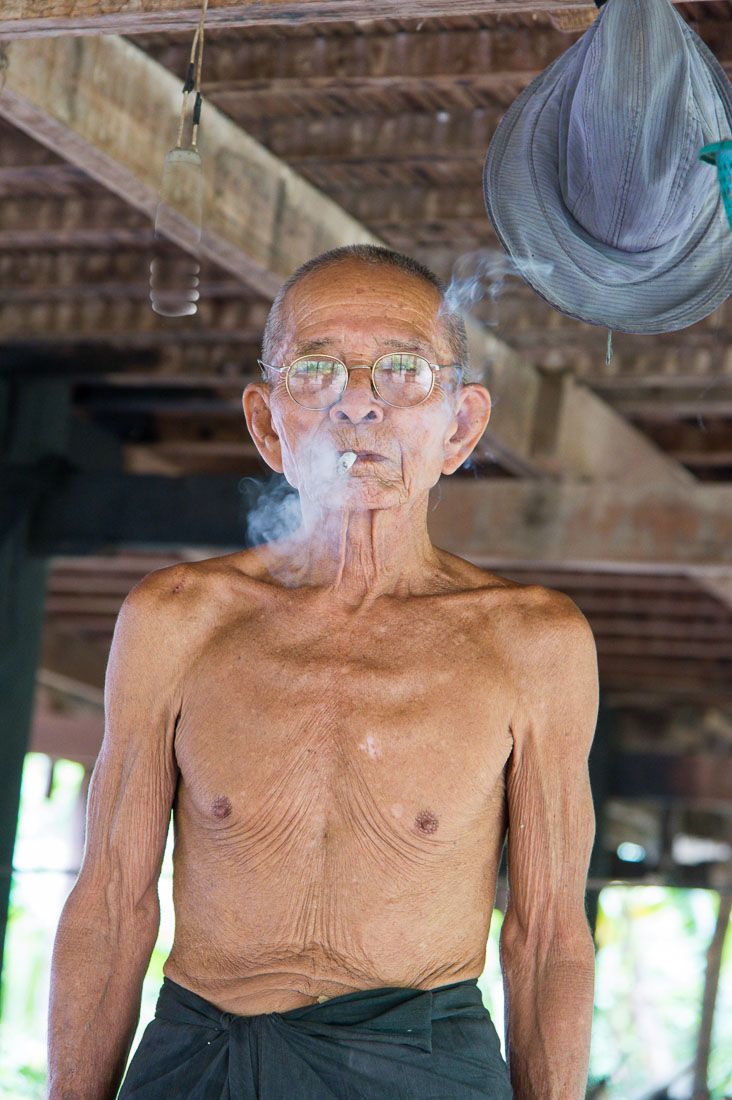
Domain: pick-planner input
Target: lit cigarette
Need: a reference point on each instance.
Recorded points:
(345, 462)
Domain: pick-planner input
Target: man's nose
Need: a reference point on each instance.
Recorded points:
(358, 402)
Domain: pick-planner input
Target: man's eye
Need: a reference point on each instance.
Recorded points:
(401, 365)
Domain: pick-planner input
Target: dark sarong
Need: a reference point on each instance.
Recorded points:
(375, 1044)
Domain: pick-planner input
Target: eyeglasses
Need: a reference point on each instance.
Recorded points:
(401, 379)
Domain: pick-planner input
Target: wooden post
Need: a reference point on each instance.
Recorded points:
(33, 427)
(700, 1090)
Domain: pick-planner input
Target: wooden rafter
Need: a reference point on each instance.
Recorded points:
(446, 67)
(66, 17)
(495, 522)
(600, 526)
(102, 104)
(107, 107)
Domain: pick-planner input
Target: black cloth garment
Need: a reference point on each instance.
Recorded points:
(375, 1044)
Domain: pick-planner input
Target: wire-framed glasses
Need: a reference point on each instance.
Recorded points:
(402, 379)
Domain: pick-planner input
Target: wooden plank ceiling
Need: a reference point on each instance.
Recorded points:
(390, 118)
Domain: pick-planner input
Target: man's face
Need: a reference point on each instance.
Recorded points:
(356, 313)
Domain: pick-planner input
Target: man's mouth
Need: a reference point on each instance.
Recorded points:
(368, 456)
(361, 457)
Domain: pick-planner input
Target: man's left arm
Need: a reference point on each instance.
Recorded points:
(547, 953)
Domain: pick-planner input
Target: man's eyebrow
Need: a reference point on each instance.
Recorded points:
(410, 345)
(421, 346)
(311, 346)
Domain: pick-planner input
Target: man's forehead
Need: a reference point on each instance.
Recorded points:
(349, 300)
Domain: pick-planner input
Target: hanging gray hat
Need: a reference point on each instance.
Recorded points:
(593, 180)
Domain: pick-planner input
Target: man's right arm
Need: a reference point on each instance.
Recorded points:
(110, 921)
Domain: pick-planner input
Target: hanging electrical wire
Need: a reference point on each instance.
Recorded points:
(193, 81)
(174, 269)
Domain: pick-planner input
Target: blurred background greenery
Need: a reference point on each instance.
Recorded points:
(651, 956)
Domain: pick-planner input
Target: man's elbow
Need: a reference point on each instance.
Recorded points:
(106, 914)
(561, 938)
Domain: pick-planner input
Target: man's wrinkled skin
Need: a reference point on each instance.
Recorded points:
(346, 724)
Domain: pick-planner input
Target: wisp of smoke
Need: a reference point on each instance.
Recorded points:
(482, 274)
(271, 508)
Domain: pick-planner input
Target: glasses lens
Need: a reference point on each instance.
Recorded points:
(316, 383)
(403, 379)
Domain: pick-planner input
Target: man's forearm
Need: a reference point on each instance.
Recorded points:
(96, 982)
(549, 1001)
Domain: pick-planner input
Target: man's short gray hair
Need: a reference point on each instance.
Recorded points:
(454, 326)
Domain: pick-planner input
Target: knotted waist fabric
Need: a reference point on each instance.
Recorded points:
(375, 1044)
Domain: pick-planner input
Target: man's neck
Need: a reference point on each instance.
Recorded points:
(359, 555)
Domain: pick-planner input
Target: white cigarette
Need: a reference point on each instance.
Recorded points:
(345, 462)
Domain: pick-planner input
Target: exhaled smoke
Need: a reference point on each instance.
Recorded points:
(271, 508)
(481, 275)
(271, 505)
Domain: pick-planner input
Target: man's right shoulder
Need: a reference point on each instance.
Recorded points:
(188, 597)
(163, 592)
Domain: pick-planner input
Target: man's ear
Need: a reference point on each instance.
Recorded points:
(255, 401)
(472, 412)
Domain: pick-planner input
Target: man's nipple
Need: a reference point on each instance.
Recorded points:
(426, 821)
(221, 808)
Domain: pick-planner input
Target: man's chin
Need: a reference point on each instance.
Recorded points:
(360, 494)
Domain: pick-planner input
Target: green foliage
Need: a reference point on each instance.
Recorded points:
(21, 1081)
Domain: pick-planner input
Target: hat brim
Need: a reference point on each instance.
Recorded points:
(659, 290)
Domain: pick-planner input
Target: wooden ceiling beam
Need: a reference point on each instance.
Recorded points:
(86, 240)
(709, 395)
(57, 180)
(603, 526)
(28, 18)
(682, 649)
(700, 608)
(104, 105)
(274, 60)
(358, 95)
(650, 695)
(608, 527)
(634, 627)
(360, 140)
(120, 322)
(105, 291)
(23, 209)
(449, 67)
(720, 587)
(108, 108)
(675, 675)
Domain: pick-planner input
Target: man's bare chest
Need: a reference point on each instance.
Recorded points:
(397, 724)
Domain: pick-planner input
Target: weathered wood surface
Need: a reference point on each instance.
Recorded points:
(443, 65)
(106, 107)
(66, 17)
(612, 528)
(573, 525)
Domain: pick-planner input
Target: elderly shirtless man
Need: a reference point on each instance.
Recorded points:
(346, 723)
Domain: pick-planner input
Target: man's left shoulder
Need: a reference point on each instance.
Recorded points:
(530, 614)
(541, 626)
(546, 610)
(548, 620)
